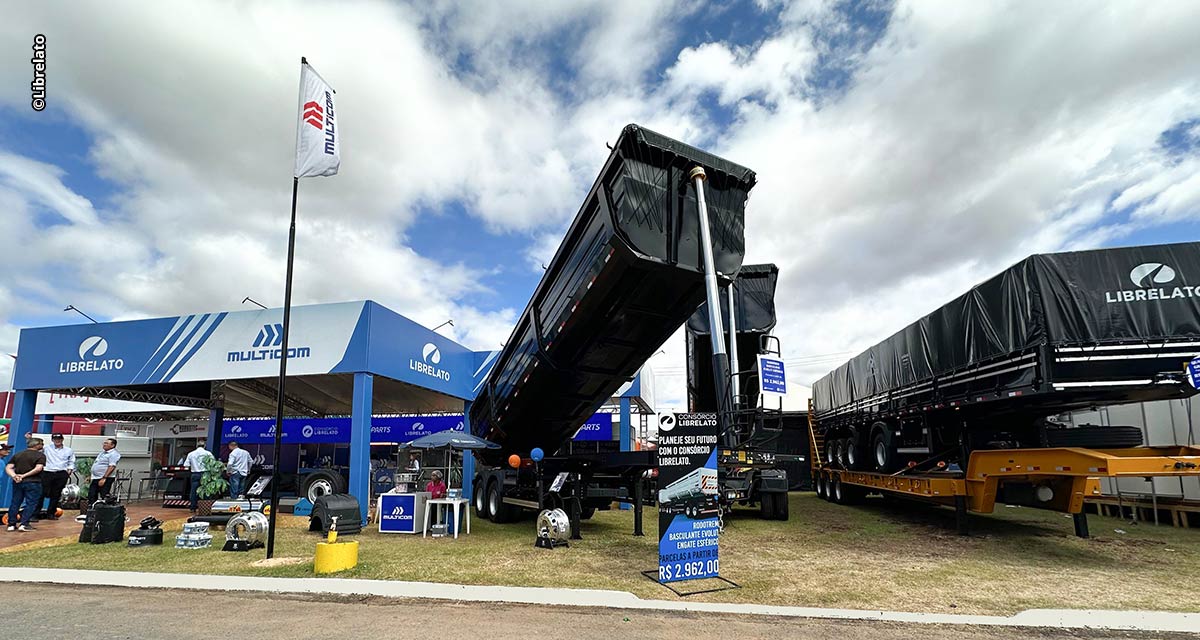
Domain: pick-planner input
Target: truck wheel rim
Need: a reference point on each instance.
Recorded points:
(319, 488)
(850, 456)
(880, 454)
(494, 501)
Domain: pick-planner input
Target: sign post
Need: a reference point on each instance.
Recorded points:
(689, 516)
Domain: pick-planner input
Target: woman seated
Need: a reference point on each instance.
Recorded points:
(436, 487)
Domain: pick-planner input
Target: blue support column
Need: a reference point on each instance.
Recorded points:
(43, 424)
(216, 417)
(360, 441)
(625, 433)
(468, 478)
(22, 424)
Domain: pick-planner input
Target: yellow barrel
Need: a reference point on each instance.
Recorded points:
(335, 557)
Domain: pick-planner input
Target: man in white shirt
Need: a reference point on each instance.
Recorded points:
(239, 468)
(104, 471)
(60, 462)
(195, 462)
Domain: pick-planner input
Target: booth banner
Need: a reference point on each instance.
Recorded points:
(598, 428)
(688, 512)
(398, 513)
(384, 429)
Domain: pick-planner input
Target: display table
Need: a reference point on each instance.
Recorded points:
(454, 504)
(400, 512)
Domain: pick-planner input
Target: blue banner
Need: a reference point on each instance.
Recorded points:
(598, 428)
(386, 429)
(1193, 372)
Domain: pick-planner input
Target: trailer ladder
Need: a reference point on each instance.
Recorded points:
(815, 440)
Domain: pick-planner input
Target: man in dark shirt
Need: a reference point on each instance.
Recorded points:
(25, 469)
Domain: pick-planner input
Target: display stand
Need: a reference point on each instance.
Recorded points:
(401, 512)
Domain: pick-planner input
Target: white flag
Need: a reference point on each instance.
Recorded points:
(318, 148)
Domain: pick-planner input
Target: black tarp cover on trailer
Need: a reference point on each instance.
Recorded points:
(1074, 299)
(628, 273)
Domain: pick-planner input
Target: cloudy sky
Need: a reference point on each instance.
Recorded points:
(904, 151)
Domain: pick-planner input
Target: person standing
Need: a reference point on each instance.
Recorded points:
(25, 469)
(104, 471)
(60, 462)
(195, 462)
(239, 468)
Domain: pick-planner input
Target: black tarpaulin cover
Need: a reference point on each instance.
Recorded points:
(1081, 298)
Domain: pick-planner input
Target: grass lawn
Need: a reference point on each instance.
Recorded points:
(878, 555)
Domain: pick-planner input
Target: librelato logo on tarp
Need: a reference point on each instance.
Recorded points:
(91, 351)
(1148, 277)
(431, 356)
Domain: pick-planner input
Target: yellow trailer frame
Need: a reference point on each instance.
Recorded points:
(1068, 475)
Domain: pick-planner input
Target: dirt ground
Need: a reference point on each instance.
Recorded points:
(35, 612)
(879, 555)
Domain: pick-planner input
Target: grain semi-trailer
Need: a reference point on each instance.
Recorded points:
(750, 463)
(953, 408)
(629, 272)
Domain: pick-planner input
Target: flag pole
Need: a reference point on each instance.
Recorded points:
(287, 317)
(283, 358)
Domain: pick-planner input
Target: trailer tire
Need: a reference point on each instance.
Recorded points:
(830, 451)
(766, 506)
(500, 512)
(835, 490)
(883, 452)
(1094, 437)
(820, 487)
(854, 452)
(481, 501)
(781, 507)
(839, 452)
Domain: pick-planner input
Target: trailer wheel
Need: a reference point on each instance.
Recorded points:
(839, 452)
(766, 506)
(820, 487)
(781, 507)
(830, 451)
(835, 491)
(500, 512)
(854, 453)
(883, 452)
(481, 501)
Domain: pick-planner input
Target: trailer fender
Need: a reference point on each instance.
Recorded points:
(773, 481)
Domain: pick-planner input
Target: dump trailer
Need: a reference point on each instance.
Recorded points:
(628, 273)
(955, 407)
(751, 466)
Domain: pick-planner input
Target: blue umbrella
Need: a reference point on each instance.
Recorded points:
(452, 439)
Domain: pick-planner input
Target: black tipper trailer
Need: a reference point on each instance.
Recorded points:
(751, 468)
(1052, 333)
(628, 273)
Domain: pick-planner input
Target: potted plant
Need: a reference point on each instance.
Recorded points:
(83, 468)
(212, 484)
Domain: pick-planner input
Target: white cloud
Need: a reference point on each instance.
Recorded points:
(968, 136)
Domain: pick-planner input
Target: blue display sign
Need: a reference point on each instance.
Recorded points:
(771, 375)
(398, 513)
(598, 428)
(1193, 372)
(688, 510)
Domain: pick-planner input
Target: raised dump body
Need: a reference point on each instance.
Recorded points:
(754, 302)
(627, 275)
(1052, 333)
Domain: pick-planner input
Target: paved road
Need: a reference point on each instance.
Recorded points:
(34, 611)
